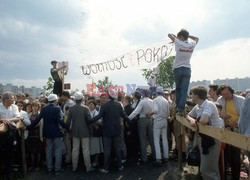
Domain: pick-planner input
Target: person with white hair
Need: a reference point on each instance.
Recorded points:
(9, 115)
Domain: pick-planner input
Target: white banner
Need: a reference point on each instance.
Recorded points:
(141, 58)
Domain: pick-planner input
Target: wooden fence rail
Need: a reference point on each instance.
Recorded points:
(223, 135)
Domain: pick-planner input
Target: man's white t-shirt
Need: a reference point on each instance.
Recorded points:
(184, 51)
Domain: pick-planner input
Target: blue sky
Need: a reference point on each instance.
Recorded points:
(32, 33)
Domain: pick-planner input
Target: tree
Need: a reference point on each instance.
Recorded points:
(102, 85)
(165, 77)
(48, 88)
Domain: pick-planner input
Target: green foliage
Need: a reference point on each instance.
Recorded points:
(146, 73)
(165, 77)
(103, 84)
(48, 88)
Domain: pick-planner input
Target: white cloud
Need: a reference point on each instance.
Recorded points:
(228, 59)
(107, 23)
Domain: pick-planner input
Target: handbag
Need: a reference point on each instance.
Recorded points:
(97, 131)
(193, 155)
(3, 128)
(20, 124)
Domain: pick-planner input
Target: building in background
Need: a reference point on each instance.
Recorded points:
(205, 83)
(33, 91)
(238, 84)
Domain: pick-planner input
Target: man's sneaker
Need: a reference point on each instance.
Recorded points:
(57, 172)
(50, 172)
(158, 163)
(124, 160)
(95, 164)
(103, 171)
(67, 164)
(165, 160)
(74, 169)
(121, 168)
(90, 169)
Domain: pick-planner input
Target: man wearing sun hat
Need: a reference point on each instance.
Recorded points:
(78, 116)
(160, 110)
(52, 122)
(55, 74)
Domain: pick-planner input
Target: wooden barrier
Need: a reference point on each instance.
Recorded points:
(222, 134)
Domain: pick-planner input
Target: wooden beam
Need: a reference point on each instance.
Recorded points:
(223, 135)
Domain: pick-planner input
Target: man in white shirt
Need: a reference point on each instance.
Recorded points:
(182, 66)
(9, 115)
(207, 114)
(152, 83)
(160, 111)
(144, 124)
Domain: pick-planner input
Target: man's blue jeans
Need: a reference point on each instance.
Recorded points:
(54, 147)
(182, 77)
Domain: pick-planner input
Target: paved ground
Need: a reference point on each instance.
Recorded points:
(132, 170)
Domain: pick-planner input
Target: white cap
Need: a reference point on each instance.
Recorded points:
(52, 97)
(159, 89)
(78, 96)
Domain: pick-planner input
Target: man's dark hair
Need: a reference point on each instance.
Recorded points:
(184, 33)
(215, 87)
(200, 91)
(92, 101)
(222, 87)
(173, 92)
(66, 94)
(137, 94)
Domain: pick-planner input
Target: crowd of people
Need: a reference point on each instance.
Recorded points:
(56, 128)
(116, 127)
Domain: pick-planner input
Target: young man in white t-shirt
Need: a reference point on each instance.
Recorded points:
(182, 67)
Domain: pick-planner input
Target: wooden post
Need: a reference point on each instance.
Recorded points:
(63, 76)
(179, 147)
(23, 152)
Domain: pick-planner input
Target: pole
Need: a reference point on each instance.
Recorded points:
(23, 152)
(63, 76)
(179, 147)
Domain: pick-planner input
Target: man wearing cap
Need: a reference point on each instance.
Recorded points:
(67, 103)
(160, 110)
(52, 118)
(78, 117)
(55, 73)
(111, 112)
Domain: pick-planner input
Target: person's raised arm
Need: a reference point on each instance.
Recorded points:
(172, 37)
(59, 69)
(196, 39)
